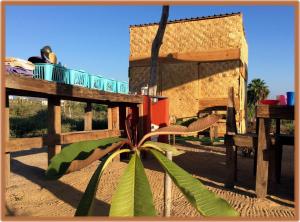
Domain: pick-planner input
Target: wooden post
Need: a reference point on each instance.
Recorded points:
(278, 152)
(88, 117)
(6, 139)
(141, 128)
(255, 158)
(113, 121)
(262, 157)
(255, 147)
(278, 126)
(213, 133)
(168, 190)
(231, 163)
(54, 126)
(141, 121)
(231, 151)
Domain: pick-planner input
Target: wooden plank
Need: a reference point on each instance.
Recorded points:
(54, 125)
(113, 118)
(207, 56)
(88, 117)
(277, 126)
(6, 139)
(18, 85)
(18, 144)
(248, 141)
(275, 111)
(231, 164)
(213, 133)
(220, 103)
(262, 158)
(72, 137)
(231, 151)
(231, 111)
(286, 139)
(141, 122)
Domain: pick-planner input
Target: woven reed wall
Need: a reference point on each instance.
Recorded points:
(189, 36)
(138, 78)
(216, 77)
(244, 52)
(183, 95)
(205, 80)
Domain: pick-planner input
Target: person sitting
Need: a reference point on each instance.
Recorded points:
(47, 56)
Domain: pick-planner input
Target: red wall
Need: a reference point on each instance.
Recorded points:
(156, 113)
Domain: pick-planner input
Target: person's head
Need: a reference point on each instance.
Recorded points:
(48, 55)
(45, 51)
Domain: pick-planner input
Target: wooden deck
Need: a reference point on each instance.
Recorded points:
(24, 86)
(118, 107)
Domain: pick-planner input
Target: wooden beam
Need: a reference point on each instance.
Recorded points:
(231, 111)
(141, 122)
(6, 139)
(262, 158)
(231, 164)
(231, 151)
(113, 118)
(54, 125)
(275, 112)
(88, 117)
(206, 56)
(222, 103)
(286, 139)
(18, 144)
(248, 141)
(72, 137)
(18, 85)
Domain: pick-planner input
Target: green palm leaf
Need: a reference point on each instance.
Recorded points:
(133, 195)
(84, 207)
(162, 147)
(205, 201)
(79, 151)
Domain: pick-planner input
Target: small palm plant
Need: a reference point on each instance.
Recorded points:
(133, 196)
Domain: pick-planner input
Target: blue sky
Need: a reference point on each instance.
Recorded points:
(96, 38)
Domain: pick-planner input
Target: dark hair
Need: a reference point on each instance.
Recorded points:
(46, 49)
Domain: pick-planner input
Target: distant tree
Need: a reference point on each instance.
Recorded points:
(257, 90)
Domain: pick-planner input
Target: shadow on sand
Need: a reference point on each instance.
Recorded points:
(62, 191)
(211, 167)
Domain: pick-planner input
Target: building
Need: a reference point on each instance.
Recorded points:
(200, 58)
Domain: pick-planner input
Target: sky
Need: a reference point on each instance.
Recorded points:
(96, 38)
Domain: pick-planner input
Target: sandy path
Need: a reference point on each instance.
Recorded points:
(30, 194)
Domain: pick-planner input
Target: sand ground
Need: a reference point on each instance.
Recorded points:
(30, 194)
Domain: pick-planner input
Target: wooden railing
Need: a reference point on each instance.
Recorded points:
(118, 106)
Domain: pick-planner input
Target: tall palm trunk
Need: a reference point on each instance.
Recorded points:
(152, 86)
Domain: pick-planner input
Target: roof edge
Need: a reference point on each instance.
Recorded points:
(190, 19)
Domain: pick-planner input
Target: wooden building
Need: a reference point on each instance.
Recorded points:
(200, 58)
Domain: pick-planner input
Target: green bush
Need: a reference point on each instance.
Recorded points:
(28, 118)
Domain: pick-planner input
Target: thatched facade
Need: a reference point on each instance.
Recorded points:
(199, 60)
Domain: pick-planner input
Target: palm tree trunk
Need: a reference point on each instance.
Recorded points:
(152, 86)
